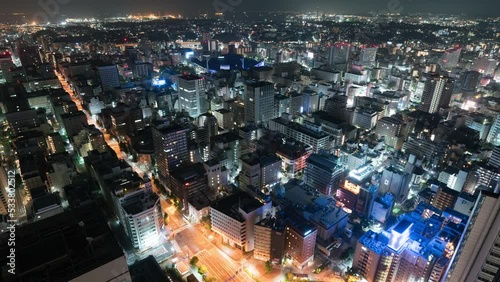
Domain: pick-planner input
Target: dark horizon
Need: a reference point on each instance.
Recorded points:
(193, 8)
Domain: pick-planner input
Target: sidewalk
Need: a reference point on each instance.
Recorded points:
(176, 246)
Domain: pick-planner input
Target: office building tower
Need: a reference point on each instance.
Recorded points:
(188, 182)
(5, 65)
(140, 213)
(109, 77)
(437, 93)
(450, 58)
(418, 248)
(192, 95)
(227, 149)
(293, 157)
(22, 120)
(259, 102)
(310, 101)
(445, 198)
(207, 128)
(391, 130)
(282, 104)
(28, 55)
(365, 118)
(371, 254)
(171, 148)
(336, 107)
(454, 178)
(494, 134)
(382, 208)
(300, 241)
(368, 56)
(495, 157)
(487, 176)
(234, 217)
(260, 173)
(296, 101)
(141, 70)
(478, 253)
(225, 119)
(424, 149)
(396, 182)
(217, 174)
(322, 173)
(309, 133)
(338, 55)
(480, 123)
(269, 239)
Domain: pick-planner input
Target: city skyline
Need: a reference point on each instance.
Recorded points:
(250, 146)
(94, 8)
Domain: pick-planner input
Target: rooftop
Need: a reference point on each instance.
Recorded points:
(147, 270)
(231, 204)
(61, 246)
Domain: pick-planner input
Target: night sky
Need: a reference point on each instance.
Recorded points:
(194, 7)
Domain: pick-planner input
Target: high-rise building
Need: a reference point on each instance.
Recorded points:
(424, 148)
(322, 173)
(225, 118)
(234, 217)
(259, 102)
(210, 125)
(368, 56)
(282, 105)
(188, 182)
(23, 120)
(5, 65)
(488, 176)
(300, 241)
(365, 118)
(391, 129)
(336, 106)
(260, 173)
(455, 178)
(293, 157)
(192, 96)
(415, 249)
(495, 157)
(477, 257)
(269, 239)
(396, 182)
(28, 55)
(437, 93)
(109, 77)
(494, 134)
(171, 148)
(309, 133)
(338, 54)
(140, 212)
(445, 198)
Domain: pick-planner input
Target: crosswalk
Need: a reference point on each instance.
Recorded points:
(222, 269)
